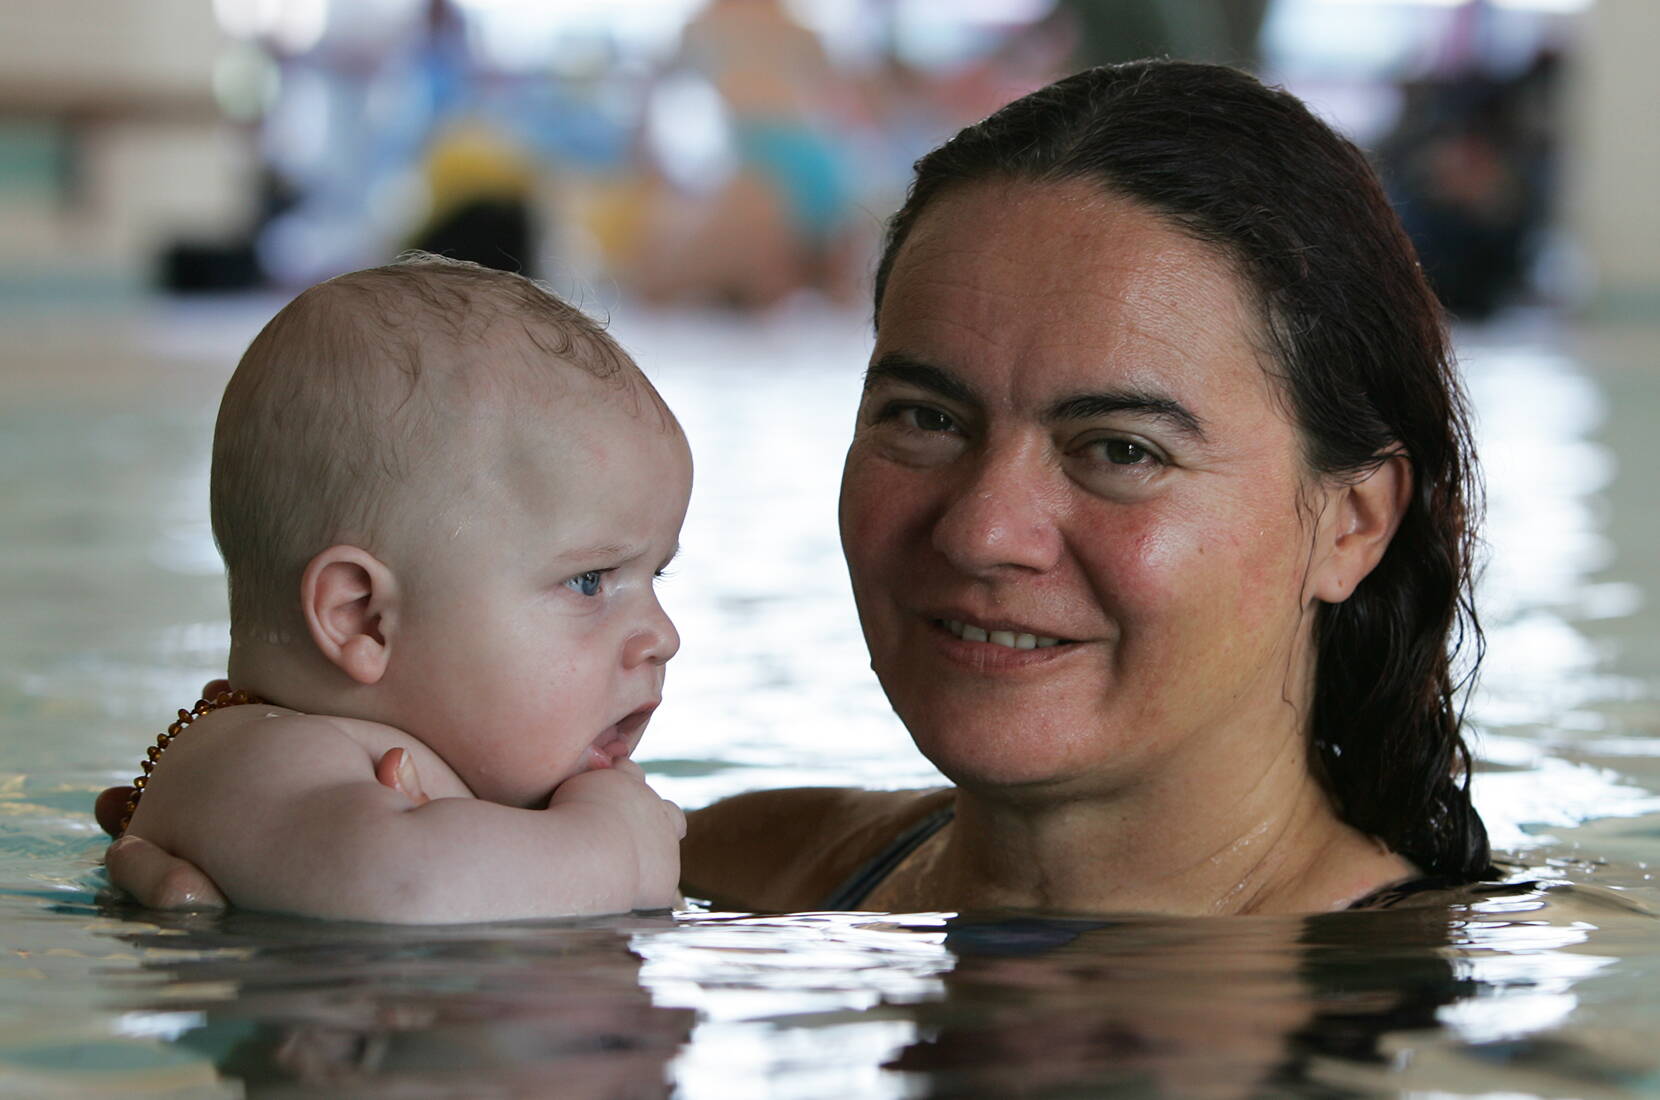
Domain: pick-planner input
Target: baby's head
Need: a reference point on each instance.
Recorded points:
(443, 495)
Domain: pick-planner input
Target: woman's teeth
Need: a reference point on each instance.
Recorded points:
(999, 637)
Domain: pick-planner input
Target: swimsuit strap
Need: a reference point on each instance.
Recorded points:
(1385, 897)
(869, 874)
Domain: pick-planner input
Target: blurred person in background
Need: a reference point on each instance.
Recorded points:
(480, 206)
(778, 221)
(1469, 166)
(1108, 31)
(479, 183)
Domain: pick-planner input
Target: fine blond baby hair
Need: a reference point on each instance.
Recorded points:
(343, 406)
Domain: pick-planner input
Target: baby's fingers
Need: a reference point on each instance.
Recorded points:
(158, 879)
(396, 769)
(677, 818)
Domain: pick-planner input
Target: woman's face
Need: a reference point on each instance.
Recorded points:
(1074, 510)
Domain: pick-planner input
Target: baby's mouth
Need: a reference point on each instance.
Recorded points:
(618, 741)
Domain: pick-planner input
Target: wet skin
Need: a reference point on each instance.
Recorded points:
(1067, 432)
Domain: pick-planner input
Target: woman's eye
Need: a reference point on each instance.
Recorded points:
(1124, 452)
(928, 420)
(914, 432)
(922, 418)
(588, 583)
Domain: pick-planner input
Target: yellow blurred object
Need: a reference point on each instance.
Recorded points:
(471, 161)
(617, 215)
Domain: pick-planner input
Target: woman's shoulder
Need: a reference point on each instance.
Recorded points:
(786, 850)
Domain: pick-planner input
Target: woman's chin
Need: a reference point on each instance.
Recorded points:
(994, 762)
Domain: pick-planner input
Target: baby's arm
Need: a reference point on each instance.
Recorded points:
(285, 813)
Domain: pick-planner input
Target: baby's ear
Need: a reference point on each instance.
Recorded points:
(349, 597)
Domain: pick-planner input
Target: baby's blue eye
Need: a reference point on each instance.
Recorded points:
(586, 583)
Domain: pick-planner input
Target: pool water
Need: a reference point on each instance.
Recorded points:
(115, 617)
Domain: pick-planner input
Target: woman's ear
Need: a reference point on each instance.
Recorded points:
(349, 599)
(1360, 519)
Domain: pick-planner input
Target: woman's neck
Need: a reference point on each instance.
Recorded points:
(1223, 838)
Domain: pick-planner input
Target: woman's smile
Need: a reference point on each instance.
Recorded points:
(1011, 637)
(993, 651)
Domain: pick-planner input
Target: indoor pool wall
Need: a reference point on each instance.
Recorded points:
(115, 615)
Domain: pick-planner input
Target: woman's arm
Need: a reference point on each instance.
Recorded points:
(786, 850)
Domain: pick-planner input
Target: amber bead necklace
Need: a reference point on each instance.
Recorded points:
(153, 753)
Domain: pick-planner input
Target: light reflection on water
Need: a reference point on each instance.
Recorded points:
(1549, 684)
(861, 1005)
(115, 614)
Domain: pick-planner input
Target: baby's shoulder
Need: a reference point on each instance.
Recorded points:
(255, 733)
(437, 778)
(263, 731)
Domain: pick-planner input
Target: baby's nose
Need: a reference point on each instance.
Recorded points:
(655, 642)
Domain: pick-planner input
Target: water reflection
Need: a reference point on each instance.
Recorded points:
(502, 1010)
(926, 1004)
(1190, 1008)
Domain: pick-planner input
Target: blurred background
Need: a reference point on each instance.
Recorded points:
(742, 153)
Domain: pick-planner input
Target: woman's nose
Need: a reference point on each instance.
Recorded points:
(655, 641)
(1002, 516)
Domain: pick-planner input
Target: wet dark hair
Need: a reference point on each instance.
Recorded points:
(1355, 335)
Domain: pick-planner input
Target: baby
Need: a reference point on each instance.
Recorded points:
(443, 497)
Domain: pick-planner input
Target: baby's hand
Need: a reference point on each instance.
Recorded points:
(654, 824)
(396, 769)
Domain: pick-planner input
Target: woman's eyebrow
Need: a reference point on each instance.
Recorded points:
(901, 368)
(1086, 406)
(905, 370)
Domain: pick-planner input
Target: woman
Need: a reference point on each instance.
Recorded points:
(1158, 515)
